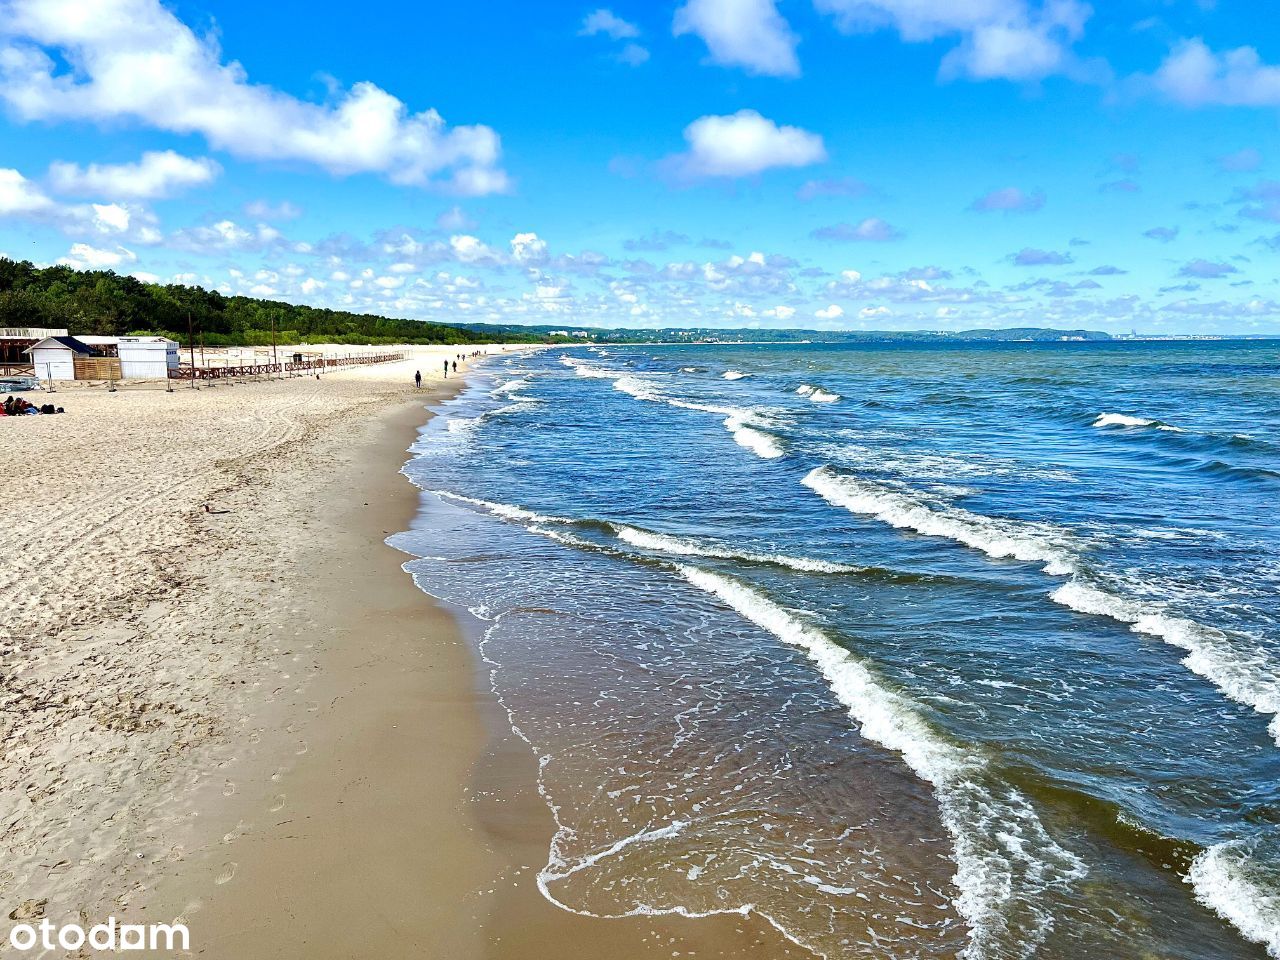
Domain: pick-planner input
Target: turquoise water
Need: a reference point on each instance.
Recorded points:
(911, 651)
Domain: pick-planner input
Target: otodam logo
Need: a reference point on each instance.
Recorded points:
(111, 936)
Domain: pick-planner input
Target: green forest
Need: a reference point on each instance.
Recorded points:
(106, 303)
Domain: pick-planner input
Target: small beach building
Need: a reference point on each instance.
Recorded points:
(147, 357)
(54, 358)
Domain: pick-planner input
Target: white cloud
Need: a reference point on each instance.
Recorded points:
(743, 144)
(1194, 75)
(134, 60)
(19, 196)
(528, 248)
(85, 257)
(223, 236)
(833, 312)
(742, 33)
(110, 217)
(156, 174)
(999, 39)
(469, 249)
(606, 22)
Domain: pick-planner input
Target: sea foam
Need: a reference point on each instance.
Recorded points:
(1226, 880)
(687, 547)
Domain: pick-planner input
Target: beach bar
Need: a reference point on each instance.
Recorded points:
(143, 358)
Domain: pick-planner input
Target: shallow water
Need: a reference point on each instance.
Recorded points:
(913, 651)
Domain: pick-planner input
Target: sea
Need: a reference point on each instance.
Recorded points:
(909, 650)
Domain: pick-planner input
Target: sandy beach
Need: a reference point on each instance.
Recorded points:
(226, 705)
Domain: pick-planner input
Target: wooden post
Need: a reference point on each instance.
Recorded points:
(191, 344)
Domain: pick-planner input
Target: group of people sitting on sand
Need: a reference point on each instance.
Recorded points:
(17, 407)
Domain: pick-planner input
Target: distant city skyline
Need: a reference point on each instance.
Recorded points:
(820, 164)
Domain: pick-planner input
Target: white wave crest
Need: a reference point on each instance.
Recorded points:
(685, 547)
(1004, 858)
(504, 510)
(1224, 878)
(734, 374)
(1124, 420)
(822, 396)
(762, 444)
(996, 538)
(804, 389)
(1240, 670)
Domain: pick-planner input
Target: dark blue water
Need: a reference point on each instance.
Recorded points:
(912, 651)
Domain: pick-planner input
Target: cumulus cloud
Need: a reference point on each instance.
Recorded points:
(744, 144)
(85, 257)
(607, 22)
(871, 229)
(20, 197)
(469, 249)
(742, 33)
(1196, 76)
(1030, 257)
(528, 248)
(832, 312)
(1009, 200)
(998, 39)
(133, 60)
(1206, 270)
(157, 174)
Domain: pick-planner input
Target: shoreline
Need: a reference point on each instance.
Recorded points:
(302, 753)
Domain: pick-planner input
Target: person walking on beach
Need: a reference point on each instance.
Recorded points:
(446, 369)
(455, 366)
(417, 379)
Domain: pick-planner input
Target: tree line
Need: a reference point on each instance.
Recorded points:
(106, 303)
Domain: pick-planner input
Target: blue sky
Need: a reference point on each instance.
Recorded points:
(876, 164)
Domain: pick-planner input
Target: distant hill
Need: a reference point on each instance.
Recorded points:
(561, 334)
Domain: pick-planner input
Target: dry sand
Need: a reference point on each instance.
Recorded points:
(249, 719)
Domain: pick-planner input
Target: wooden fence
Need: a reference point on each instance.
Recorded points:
(300, 368)
(97, 368)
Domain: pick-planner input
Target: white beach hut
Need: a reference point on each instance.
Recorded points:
(147, 357)
(54, 357)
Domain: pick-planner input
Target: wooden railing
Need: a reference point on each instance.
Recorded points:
(296, 368)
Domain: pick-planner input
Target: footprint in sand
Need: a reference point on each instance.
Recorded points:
(302, 747)
(226, 873)
(229, 788)
(278, 804)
